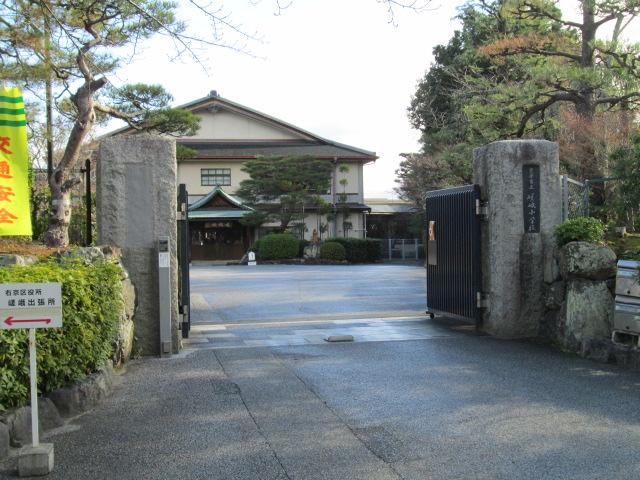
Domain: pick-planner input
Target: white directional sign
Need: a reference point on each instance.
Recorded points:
(30, 305)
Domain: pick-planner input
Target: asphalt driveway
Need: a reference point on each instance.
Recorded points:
(447, 407)
(277, 293)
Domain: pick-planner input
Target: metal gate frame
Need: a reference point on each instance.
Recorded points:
(184, 254)
(454, 266)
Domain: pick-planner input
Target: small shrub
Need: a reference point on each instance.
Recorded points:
(359, 250)
(374, 250)
(277, 246)
(583, 229)
(332, 251)
(91, 305)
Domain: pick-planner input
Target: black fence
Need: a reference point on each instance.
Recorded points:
(454, 277)
(184, 243)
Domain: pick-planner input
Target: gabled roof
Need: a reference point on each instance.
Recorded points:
(218, 192)
(309, 144)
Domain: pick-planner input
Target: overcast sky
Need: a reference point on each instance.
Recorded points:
(337, 68)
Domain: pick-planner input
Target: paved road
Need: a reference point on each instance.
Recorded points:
(409, 399)
(452, 407)
(275, 293)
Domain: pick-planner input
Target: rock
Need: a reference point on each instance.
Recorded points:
(123, 344)
(111, 252)
(129, 296)
(4, 441)
(7, 259)
(552, 265)
(588, 312)
(84, 395)
(586, 260)
(554, 295)
(311, 251)
(19, 421)
(88, 254)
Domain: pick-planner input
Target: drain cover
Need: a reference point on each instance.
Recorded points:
(339, 338)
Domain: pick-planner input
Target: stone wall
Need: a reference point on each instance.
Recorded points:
(579, 297)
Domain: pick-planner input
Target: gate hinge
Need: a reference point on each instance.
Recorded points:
(182, 216)
(482, 300)
(482, 208)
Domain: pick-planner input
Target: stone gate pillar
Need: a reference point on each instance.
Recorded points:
(136, 202)
(519, 181)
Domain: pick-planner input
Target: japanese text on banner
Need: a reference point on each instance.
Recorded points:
(15, 218)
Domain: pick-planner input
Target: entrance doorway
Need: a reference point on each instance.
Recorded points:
(218, 240)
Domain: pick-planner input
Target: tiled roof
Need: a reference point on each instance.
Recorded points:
(253, 149)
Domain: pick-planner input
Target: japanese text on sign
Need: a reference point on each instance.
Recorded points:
(531, 198)
(30, 305)
(15, 218)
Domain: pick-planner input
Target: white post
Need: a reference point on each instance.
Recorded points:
(35, 438)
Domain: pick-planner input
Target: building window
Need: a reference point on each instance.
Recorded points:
(215, 176)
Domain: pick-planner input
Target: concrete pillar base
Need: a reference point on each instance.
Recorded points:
(35, 461)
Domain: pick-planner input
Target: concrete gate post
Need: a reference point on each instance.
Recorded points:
(136, 203)
(519, 181)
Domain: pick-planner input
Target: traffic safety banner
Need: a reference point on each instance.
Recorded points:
(15, 217)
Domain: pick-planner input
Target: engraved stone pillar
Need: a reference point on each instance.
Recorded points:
(519, 181)
(136, 202)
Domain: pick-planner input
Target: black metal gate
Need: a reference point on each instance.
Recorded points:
(454, 276)
(184, 254)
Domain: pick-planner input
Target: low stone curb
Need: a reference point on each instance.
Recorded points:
(15, 424)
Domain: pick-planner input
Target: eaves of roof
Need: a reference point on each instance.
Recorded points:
(215, 99)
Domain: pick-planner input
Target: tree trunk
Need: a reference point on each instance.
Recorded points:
(60, 183)
(57, 234)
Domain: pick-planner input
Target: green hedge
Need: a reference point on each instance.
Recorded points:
(359, 250)
(91, 305)
(277, 246)
(332, 251)
(583, 229)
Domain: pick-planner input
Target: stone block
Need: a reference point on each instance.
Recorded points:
(19, 421)
(312, 251)
(588, 261)
(515, 265)
(136, 203)
(4, 441)
(588, 312)
(35, 461)
(84, 395)
(7, 259)
(87, 254)
(554, 296)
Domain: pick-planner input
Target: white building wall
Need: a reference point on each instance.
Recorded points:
(225, 125)
(189, 174)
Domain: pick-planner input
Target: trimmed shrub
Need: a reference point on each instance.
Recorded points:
(91, 304)
(332, 251)
(277, 246)
(583, 229)
(359, 250)
(374, 250)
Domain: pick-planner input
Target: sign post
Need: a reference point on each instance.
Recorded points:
(32, 306)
